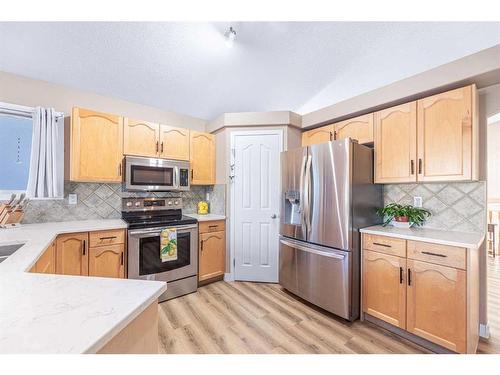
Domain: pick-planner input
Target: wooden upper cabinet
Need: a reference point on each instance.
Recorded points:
(202, 158)
(72, 254)
(141, 138)
(359, 128)
(107, 261)
(318, 135)
(395, 144)
(447, 136)
(436, 303)
(174, 142)
(96, 146)
(212, 256)
(384, 287)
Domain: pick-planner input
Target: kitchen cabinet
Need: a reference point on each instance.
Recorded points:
(47, 261)
(174, 143)
(141, 138)
(430, 291)
(212, 250)
(202, 158)
(96, 146)
(437, 304)
(107, 261)
(72, 254)
(384, 287)
(359, 128)
(447, 136)
(318, 135)
(395, 144)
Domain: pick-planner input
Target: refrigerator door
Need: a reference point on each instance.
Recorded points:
(327, 203)
(318, 274)
(293, 165)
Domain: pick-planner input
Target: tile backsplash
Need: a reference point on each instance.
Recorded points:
(103, 201)
(457, 206)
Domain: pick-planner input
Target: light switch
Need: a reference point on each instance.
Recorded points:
(417, 201)
(72, 198)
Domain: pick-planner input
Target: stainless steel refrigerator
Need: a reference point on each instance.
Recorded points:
(328, 194)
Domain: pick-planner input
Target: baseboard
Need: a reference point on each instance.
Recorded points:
(228, 277)
(484, 331)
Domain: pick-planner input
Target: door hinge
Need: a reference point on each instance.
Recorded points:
(234, 262)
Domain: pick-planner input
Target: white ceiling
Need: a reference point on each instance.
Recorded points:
(187, 68)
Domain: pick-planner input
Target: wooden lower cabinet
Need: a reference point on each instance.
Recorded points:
(437, 304)
(107, 261)
(47, 261)
(212, 250)
(72, 254)
(384, 287)
(431, 292)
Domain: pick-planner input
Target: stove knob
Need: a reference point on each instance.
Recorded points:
(129, 204)
(137, 204)
(176, 203)
(169, 203)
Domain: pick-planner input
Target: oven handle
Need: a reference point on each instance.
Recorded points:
(158, 230)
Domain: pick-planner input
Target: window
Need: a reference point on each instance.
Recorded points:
(16, 131)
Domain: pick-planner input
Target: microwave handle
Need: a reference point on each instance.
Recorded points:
(154, 231)
(176, 177)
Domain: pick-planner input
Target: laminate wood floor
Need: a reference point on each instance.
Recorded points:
(243, 317)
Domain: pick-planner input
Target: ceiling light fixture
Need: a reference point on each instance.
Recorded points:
(230, 36)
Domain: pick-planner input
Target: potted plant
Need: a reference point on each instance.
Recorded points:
(403, 216)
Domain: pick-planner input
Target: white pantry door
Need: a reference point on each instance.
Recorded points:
(255, 203)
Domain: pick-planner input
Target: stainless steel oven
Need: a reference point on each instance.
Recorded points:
(151, 174)
(144, 260)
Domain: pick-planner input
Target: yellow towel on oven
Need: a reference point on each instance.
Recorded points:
(168, 244)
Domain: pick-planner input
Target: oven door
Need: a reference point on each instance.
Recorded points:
(151, 174)
(144, 254)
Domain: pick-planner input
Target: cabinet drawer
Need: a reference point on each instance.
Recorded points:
(107, 237)
(212, 226)
(384, 244)
(450, 256)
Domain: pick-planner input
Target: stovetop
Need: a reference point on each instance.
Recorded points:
(154, 212)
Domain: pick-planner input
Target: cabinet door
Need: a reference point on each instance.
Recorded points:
(141, 138)
(174, 143)
(444, 129)
(395, 144)
(212, 255)
(107, 261)
(437, 304)
(202, 158)
(359, 128)
(319, 135)
(384, 287)
(47, 261)
(96, 146)
(72, 254)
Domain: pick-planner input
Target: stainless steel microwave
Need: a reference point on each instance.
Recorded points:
(151, 174)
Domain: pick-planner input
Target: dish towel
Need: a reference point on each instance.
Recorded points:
(168, 244)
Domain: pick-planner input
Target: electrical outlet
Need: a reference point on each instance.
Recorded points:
(72, 198)
(417, 201)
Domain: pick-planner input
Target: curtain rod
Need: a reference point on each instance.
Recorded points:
(16, 109)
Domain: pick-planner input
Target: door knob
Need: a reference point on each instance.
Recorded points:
(273, 216)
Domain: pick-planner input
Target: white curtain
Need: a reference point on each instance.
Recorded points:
(44, 179)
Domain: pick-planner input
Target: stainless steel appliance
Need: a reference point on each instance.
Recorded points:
(327, 196)
(150, 174)
(146, 218)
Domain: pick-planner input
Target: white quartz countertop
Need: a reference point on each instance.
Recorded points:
(460, 239)
(207, 217)
(41, 313)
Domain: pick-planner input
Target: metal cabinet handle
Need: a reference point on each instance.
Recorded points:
(409, 277)
(201, 245)
(213, 226)
(381, 244)
(334, 135)
(161, 151)
(419, 166)
(434, 254)
(84, 247)
(192, 174)
(121, 260)
(412, 166)
(120, 169)
(156, 146)
(107, 238)
(401, 275)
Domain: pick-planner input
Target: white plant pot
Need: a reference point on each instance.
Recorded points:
(400, 224)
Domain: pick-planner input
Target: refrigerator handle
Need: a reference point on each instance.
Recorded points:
(307, 200)
(301, 190)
